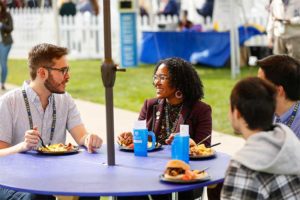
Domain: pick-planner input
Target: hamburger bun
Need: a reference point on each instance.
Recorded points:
(176, 170)
(178, 164)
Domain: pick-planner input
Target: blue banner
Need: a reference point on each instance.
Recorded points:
(208, 48)
(128, 37)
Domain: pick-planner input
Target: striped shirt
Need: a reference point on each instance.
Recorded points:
(14, 120)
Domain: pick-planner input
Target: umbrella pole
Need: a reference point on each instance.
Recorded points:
(108, 73)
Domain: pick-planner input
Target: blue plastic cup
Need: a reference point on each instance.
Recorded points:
(180, 148)
(140, 140)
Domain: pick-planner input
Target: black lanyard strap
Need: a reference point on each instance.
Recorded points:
(291, 118)
(30, 115)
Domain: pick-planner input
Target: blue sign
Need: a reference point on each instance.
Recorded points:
(129, 57)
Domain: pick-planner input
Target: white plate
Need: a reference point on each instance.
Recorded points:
(162, 178)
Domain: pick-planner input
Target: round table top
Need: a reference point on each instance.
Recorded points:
(85, 174)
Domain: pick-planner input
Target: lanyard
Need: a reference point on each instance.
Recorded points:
(291, 118)
(30, 115)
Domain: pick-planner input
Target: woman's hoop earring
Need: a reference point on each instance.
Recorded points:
(178, 94)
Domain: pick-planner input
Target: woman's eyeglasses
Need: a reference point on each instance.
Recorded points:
(63, 70)
(160, 77)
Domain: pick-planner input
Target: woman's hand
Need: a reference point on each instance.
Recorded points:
(192, 143)
(170, 139)
(125, 138)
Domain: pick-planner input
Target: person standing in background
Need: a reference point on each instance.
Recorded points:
(207, 9)
(284, 27)
(91, 6)
(184, 23)
(168, 7)
(67, 8)
(6, 27)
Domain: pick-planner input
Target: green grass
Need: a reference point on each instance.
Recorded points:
(135, 85)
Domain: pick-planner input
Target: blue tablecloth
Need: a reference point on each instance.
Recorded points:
(209, 48)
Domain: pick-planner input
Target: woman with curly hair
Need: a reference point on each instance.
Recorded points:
(179, 91)
(6, 27)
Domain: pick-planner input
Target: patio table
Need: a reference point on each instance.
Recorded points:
(85, 174)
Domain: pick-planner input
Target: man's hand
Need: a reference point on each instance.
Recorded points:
(92, 142)
(31, 140)
(125, 138)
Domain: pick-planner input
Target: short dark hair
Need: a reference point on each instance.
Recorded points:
(184, 77)
(255, 99)
(285, 71)
(43, 55)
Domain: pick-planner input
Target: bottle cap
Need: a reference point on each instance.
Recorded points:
(184, 130)
(140, 124)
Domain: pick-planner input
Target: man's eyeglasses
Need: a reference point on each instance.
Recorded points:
(160, 77)
(63, 70)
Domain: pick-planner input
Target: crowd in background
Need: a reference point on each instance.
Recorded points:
(66, 7)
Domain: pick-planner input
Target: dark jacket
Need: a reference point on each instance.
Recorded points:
(68, 8)
(198, 117)
(6, 29)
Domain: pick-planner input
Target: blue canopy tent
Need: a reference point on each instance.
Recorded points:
(208, 48)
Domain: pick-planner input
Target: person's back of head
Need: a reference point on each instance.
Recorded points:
(42, 55)
(268, 165)
(283, 70)
(255, 99)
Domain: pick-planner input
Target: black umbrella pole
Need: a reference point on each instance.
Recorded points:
(110, 125)
(108, 73)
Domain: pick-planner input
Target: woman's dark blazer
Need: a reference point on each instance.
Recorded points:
(197, 116)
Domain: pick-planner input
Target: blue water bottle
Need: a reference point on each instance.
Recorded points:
(180, 144)
(140, 138)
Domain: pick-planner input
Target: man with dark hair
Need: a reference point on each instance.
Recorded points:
(268, 166)
(41, 108)
(284, 72)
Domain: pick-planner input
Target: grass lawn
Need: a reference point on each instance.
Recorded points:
(135, 85)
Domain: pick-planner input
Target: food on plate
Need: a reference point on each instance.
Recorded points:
(126, 139)
(176, 169)
(131, 146)
(179, 170)
(57, 148)
(200, 150)
(192, 143)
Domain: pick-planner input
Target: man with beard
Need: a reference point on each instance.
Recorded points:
(268, 166)
(41, 107)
